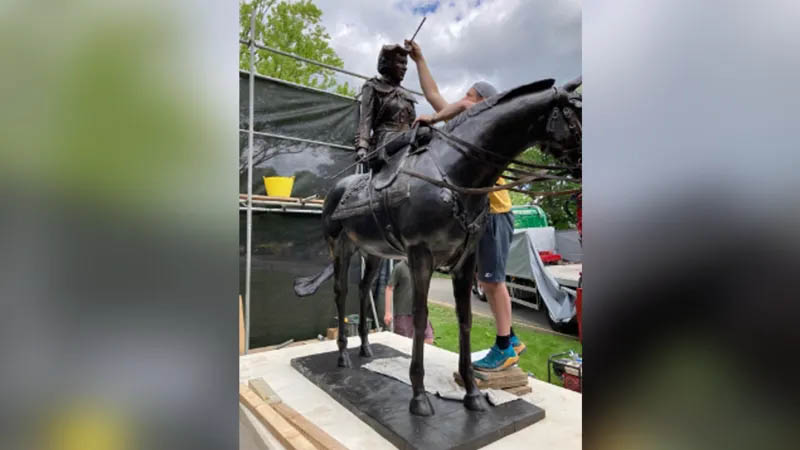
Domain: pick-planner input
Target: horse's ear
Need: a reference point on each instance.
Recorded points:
(570, 86)
(519, 91)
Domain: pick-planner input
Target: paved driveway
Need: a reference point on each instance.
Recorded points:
(441, 291)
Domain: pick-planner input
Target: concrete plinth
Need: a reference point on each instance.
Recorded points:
(561, 428)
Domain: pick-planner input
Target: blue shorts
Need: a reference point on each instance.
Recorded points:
(493, 247)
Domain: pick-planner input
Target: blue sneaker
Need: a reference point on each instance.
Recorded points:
(519, 346)
(497, 359)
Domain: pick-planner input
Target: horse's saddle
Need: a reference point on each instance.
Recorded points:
(388, 173)
(371, 193)
(362, 198)
(396, 153)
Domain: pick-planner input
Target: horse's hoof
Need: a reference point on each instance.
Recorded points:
(366, 351)
(421, 406)
(474, 402)
(344, 360)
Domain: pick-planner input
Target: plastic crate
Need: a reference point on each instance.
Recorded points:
(529, 217)
(569, 367)
(572, 382)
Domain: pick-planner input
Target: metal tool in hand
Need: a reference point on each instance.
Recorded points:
(415, 33)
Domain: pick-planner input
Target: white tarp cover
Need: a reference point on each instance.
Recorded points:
(568, 245)
(438, 379)
(524, 262)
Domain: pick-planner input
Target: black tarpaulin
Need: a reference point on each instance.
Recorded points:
(289, 245)
(297, 111)
(310, 164)
(286, 246)
(294, 111)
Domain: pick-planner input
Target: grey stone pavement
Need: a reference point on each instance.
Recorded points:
(441, 291)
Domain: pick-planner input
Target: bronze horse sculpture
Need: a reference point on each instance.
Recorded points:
(420, 208)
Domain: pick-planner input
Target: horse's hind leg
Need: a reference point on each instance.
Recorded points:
(462, 287)
(420, 261)
(342, 252)
(372, 266)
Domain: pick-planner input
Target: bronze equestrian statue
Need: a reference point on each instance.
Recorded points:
(426, 206)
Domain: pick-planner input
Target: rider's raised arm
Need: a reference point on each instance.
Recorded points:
(426, 80)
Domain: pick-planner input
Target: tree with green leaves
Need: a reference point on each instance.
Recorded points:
(293, 27)
(561, 210)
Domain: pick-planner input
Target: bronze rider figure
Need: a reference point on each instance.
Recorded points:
(387, 109)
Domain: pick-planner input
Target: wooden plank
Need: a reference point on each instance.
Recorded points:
(313, 433)
(252, 434)
(279, 346)
(241, 328)
(497, 380)
(282, 199)
(519, 390)
(514, 372)
(262, 388)
(510, 372)
(503, 384)
(279, 199)
(289, 436)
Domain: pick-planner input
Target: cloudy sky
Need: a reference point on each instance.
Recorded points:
(506, 42)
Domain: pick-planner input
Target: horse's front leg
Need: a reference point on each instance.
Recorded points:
(373, 263)
(462, 291)
(420, 262)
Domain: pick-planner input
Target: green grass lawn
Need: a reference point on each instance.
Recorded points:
(540, 345)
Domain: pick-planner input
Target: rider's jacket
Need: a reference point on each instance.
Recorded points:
(385, 110)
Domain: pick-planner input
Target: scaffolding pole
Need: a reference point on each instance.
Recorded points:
(248, 257)
(311, 61)
(296, 139)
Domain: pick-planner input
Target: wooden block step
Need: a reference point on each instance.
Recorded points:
(510, 378)
(488, 376)
(520, 390)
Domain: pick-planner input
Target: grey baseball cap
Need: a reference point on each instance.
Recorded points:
(484, 89)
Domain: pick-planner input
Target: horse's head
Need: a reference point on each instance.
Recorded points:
(564, 132)
(536, 113)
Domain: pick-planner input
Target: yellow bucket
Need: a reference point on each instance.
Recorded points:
(279, 186)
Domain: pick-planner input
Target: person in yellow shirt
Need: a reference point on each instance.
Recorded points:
(492, 256)
(493, 247)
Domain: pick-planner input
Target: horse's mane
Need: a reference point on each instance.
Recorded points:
(503, 97)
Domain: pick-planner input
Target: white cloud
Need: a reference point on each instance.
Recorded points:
(506, 42)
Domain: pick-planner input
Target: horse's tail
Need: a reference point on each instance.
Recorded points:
(305, 286)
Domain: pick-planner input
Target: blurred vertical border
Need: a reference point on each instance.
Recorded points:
(691, 218)
(118, 224)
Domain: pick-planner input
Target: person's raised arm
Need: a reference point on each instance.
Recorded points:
(426, 80)
(446, 113)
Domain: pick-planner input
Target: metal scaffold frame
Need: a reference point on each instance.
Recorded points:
(266, 205)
